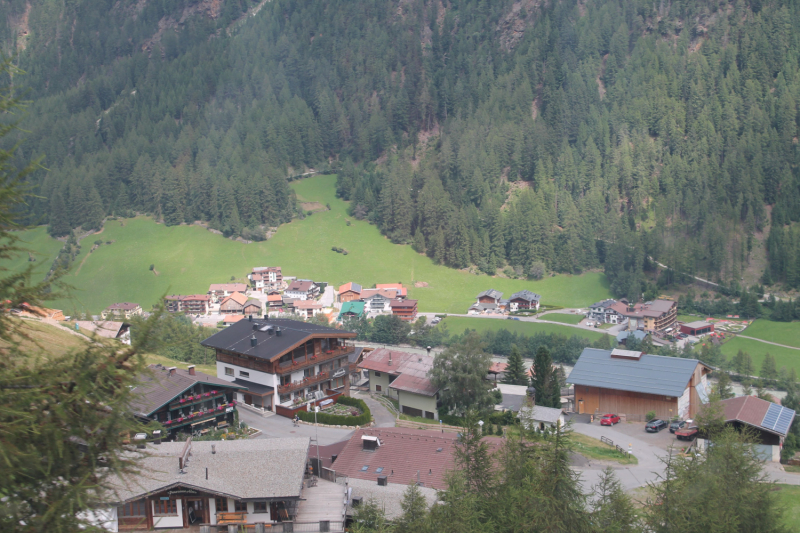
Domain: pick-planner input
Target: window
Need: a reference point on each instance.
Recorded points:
(338, 382)
(286, 380)
(378, 388)
(377, 374)
(244, 374)
(260, 507)
(222, 505)
(239, 506)
(137, 508)
(365, 468)
(308, 372)
(228, 371)
(165, 508)
(285, 398)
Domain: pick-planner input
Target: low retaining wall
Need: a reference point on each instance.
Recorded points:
(289, 412)
(421, 425)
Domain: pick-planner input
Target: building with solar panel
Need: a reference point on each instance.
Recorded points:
(768, 421)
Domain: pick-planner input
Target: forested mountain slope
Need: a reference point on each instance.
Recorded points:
(556, 135)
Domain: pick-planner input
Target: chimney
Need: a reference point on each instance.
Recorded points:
(278, 332)
(390, 358)
(213, 449)
(253, 341)
(141, 439)
(157, 436)
(172, 370)
(255, 327)
(190, 368)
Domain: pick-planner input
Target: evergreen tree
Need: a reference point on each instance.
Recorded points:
(515, 371)
(545, 381)
(612, 509)
(768, 368)
(59, 220)
(459, 372)
(724, 386)
(415, 510)
(472, 457)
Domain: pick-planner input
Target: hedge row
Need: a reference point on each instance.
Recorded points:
(338, 420)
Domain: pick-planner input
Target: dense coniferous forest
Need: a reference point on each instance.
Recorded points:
(526, 136)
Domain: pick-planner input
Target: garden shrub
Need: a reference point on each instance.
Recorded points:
(650, 415)
(338, 420)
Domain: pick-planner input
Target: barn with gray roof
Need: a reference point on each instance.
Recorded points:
(632, 383)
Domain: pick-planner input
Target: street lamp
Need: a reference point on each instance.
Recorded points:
(480, 423)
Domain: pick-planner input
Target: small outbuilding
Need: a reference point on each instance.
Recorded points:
(697, 328)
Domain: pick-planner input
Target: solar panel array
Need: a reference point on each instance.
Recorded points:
(778, 418)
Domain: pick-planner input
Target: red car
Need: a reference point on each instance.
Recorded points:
(609, 420)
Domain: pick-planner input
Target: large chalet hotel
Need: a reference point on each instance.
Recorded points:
(282, 364)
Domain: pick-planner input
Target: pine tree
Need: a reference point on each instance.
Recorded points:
(472, 457)
(545, 381)
(724, 386)
(95, 213)
(415, 510)
(515, 371)
(59, 220)
(768, 368)
(612, 509)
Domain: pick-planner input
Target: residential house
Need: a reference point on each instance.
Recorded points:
(126, 310)
(266, 278)
(405, 309)
(623, 336)
(416, 395)
(658, 315)
(355, 309)
(293, 358)
(192, 304)
(218, 291)
(120, 331)
(233, 304)
(632, 383)
(697, 328)
(401, 292)
(348, 292)
(377, 301)
(252, 306)
(302, 289)
(231, 319)
(540, 418)
(307, 308)
(254, 480)
(489, 301)
(524, 300)
(604, 313)
(767, 422)
(183, 401)
(274, 301)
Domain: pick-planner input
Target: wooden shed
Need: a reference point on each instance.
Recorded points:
(632, 383)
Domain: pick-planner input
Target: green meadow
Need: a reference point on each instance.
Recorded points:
(787, 333)
(187, 259)
(457, 325)
(563, 318)
(788, 357)
(39, 246)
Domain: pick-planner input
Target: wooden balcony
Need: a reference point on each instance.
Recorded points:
(306, 382)
(197, 398)
(202, 417)
(303, 362)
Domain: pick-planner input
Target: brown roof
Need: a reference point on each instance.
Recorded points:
(300, 286)
(123, 306)
(402, 453)
(401, 291)
(403, 303)
(274, 298)
(189, 297)
(227, 287)
(497, 368)
(157, 387)
(389, 294)
(307, 304)
(232, 319)
(414, 384)
(401, 362)
(326, 452)
(653, 309)
(350, 286)
(109, 330)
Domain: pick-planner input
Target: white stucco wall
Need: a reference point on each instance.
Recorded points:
(256, 376)
(683, 403)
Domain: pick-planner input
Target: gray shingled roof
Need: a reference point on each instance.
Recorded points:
(651, 374)
(491, 293)
(526, 295)
(241, 469)
(156, 387)
(389, 497)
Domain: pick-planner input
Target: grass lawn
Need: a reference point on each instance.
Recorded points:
(792, 469)
(787, 333)
(189, 258)
(42, 247)
(789, 496)
(457, 325)
(787, 357)
(45, 338)
(563, 317)
(595, 449)
(153, 359)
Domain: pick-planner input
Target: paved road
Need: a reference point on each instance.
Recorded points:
(280, 427)
(769, 342)
(327, 297)
(383, 417)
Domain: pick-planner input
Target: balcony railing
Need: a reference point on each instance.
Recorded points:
(197, 398)
(200, 417)
(310, 380)
(303, 362)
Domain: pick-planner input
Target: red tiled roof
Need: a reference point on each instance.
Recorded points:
(747, 409)
(325, 452)
(300, 286)
(307, 304)
(414, 384)
(237, 297)
(230, 319)
(401, 291)
(349, 287)
(389, 294)
(497, 368)
(274, 298)
(227, 287)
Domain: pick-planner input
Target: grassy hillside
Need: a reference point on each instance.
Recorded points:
(188, 258)
(563, 317)
(787, 357)
(457, 325)
(37, 336)
(787, 333)
(43, 248)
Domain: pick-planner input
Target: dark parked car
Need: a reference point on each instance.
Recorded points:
(676, 425)
(655, 425)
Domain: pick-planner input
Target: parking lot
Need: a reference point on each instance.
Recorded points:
(662, 440)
